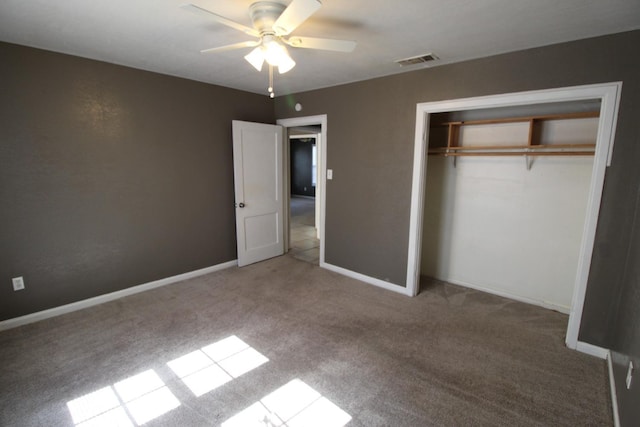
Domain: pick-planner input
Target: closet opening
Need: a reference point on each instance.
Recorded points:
(506, 193)
(505, 199)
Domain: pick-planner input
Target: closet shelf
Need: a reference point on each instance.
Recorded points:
(517, 150)
(524, 119)
(531, 148)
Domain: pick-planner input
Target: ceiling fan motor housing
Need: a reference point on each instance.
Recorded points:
(263, 15)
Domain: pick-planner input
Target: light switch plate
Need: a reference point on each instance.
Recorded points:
(329, 173)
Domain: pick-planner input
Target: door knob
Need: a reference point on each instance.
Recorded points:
(241, 205)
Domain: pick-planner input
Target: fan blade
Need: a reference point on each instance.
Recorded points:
(232, 46)
(324, 44)
(294, 15)
(221, 19)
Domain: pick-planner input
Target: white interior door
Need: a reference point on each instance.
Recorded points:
(257, 164)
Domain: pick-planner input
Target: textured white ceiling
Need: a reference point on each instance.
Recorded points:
(158, 35)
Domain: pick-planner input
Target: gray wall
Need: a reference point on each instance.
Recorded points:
(301, 161)
(110, 177)
(370, 148)
(626, 328)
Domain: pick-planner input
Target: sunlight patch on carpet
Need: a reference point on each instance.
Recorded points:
(145, 397)
(295, 404)
(206, 369)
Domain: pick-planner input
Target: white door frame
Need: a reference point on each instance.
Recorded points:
(322, 167)
(609, 96)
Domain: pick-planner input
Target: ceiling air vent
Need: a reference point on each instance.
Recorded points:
(420, 59)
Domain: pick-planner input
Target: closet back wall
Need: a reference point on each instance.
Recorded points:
(491, 224)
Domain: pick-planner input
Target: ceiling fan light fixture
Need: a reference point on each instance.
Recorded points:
(286, 64)
(256, 58)
(272, 51)
(276, 54)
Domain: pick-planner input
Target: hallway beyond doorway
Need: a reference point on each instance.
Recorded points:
(305, 245)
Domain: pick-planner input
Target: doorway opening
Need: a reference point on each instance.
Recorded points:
(305, 149)
(304, 242)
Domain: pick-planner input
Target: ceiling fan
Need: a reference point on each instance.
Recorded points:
(272, 24)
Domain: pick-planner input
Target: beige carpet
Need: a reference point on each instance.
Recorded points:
(341, 349)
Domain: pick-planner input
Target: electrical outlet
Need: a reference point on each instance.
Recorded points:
(629, 374)
(18, 283)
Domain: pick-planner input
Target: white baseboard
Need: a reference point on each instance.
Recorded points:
(614, 393)
(545, 304)
(367, 279)
(79, 305)
(592, 350)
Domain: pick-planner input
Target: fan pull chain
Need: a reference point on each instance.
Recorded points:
(270, 89)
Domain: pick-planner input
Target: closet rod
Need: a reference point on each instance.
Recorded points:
(511, 147)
